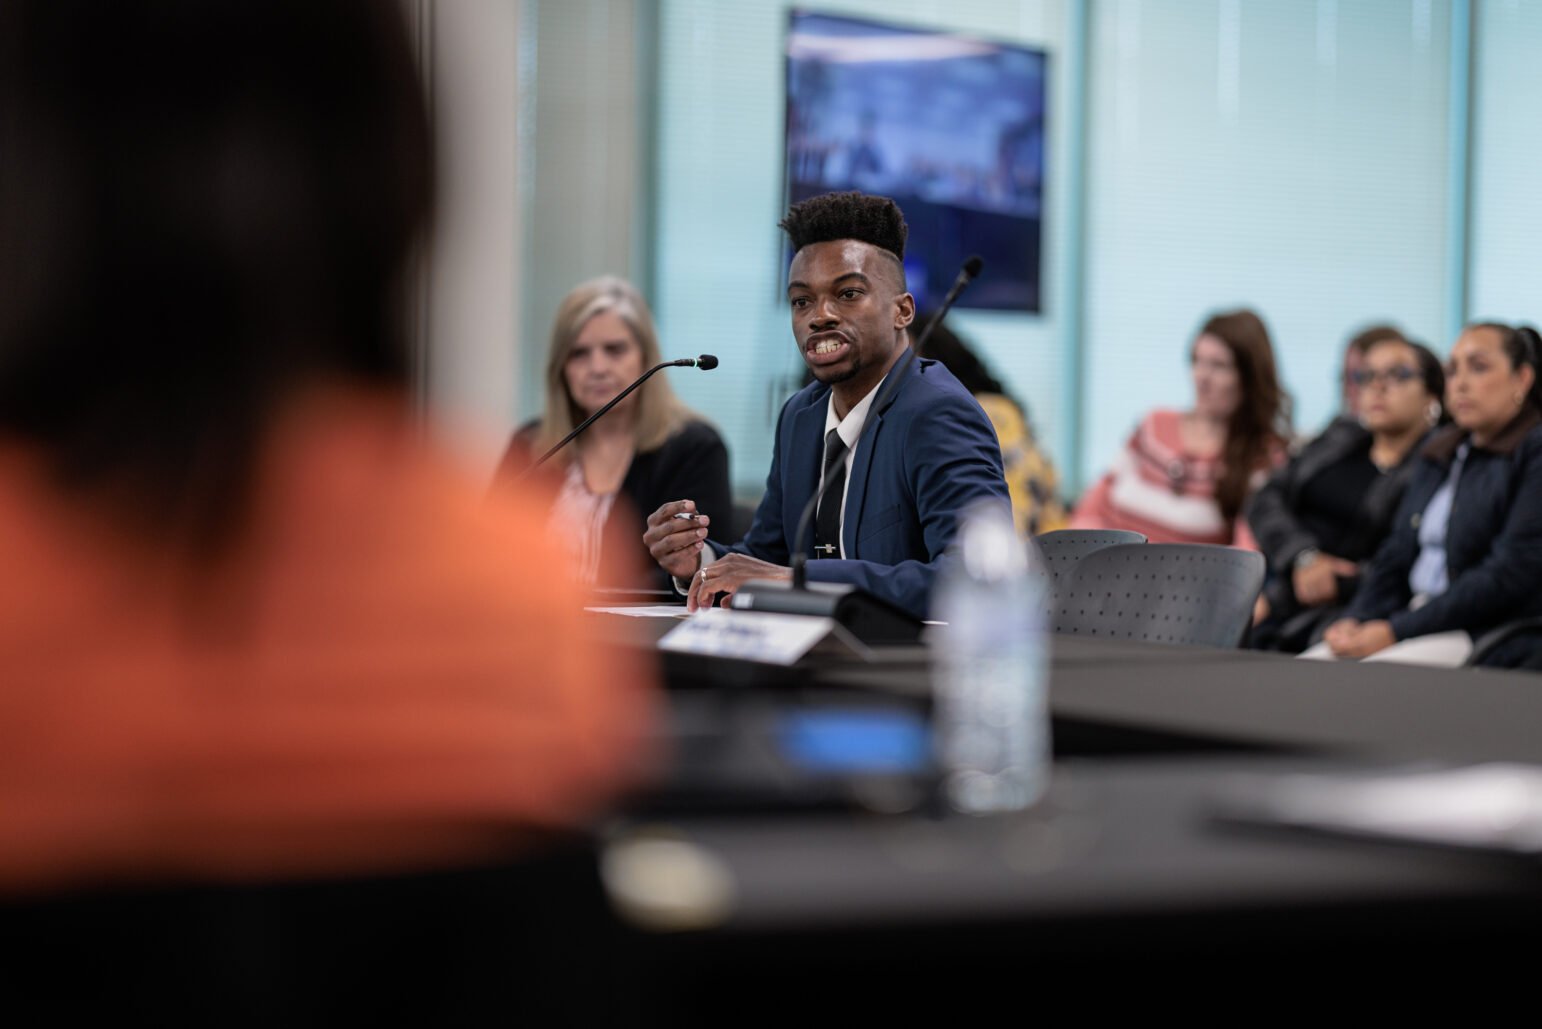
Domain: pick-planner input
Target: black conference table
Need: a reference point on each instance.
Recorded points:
(740, 876)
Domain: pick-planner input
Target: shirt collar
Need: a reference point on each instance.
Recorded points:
(850, 427)
(1442, 445)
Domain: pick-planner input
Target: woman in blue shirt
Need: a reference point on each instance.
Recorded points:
(1465, 553)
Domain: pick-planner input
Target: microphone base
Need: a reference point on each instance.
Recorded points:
(872, 620)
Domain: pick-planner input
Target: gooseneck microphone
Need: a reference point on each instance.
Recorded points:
(966, 275)
(706, 362)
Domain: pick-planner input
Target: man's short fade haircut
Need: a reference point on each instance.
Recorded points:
(869, 219)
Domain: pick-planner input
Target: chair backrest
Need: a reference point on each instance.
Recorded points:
(1064, 548)
(1162, 592)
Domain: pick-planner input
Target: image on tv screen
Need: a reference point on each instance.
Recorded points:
(950, 126)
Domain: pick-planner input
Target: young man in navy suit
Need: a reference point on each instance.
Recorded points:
(893, 509)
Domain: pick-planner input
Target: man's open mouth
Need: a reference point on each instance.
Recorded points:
(825, 348)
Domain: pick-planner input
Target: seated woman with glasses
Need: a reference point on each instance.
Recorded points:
(1354, 358)
(1322, 515)
(1465, 553)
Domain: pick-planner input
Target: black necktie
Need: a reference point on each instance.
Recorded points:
(827, 523)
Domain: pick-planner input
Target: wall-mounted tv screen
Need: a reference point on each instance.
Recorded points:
(950, 126)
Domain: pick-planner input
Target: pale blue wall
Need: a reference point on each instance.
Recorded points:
(719, 183)
(1309, 158)
(1506, 279)
(1287, 155)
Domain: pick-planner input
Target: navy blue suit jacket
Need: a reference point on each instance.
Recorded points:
(923, 457)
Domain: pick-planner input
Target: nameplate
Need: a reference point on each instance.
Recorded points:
(772, 639)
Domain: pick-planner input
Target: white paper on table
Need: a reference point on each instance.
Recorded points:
(644, 611)
(761, 636)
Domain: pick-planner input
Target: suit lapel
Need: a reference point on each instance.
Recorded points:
(856, 489)
(808, 433)
(862, 463)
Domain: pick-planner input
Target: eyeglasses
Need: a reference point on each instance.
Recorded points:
(1398, 374)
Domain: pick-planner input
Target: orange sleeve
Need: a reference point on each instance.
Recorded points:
(472, 703)
(392, 674)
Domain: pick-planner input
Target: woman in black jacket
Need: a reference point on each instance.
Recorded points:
(1465, 554)
(1322, 515)
(647, 450)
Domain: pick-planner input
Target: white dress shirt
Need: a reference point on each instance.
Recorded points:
(848, 429)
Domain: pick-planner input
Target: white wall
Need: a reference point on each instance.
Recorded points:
(470, 370)
(583, 176)
(1292, 154)
(1278, 154)
(1506, 164)
(719, 254)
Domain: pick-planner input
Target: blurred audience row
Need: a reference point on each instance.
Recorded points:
(1409, 527)
(1403, 530)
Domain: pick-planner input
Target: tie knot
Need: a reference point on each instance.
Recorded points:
(835, 447)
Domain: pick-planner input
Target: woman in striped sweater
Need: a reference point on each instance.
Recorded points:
(1184, 475)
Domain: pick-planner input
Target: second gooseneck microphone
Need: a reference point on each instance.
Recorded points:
(966, 275)
(706, 362)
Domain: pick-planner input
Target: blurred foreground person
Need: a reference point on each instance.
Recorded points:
(252, 625)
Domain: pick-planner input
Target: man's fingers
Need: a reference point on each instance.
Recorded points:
(701, 592)
(672, 535)
(680, 542)
(722, 576)
(668, 511)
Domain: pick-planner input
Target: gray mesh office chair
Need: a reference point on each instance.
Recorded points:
(1064, 548)
(1162, 592)
(1060, 552)
(1500, 635)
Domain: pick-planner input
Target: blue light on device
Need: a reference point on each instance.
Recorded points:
(849, 740)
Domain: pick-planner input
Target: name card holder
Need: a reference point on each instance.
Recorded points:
(762, 637)
(864, 616)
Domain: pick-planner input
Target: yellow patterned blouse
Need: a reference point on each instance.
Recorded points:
(1031, 478)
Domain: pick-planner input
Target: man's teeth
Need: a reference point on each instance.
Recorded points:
(827, 346)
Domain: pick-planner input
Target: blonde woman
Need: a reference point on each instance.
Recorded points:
(647, 450)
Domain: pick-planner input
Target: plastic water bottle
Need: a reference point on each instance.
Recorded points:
(990, 668)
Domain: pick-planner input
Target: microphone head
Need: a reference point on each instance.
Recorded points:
(973, 265)
(706, 362)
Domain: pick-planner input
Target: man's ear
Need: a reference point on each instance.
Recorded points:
(904, 310)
